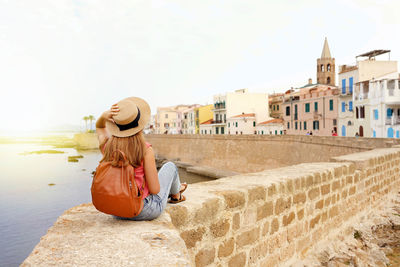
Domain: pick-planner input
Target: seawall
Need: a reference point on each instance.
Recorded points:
(253, 153)
(269, 218)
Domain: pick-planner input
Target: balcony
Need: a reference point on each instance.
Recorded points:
(218, 122)
(392, 121)
(219, 105)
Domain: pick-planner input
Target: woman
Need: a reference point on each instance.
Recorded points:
(121, 128)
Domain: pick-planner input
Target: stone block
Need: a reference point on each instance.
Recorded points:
(257, 193)
(274, 226)
(226, 248)
(270, 261)
(238, 260)
(297, 184)
(192, 236)
(265, 210)
(236, 221)
(220, 228)
(338, 172)
(303, 245)
(299, 198)
(265, 229)
(313, 193)
(349, 179)
(344, 194)
(272, 190)
(319, 204)
(249, 216)
(287, 219)
(233, 199)
(281, 204)
(179, 215)
(325, 189)
(334, 211)
(287, 252)
(205, 257)
(317, 178)
(208, 211)
(335, 185)
(258, 252)
(327, 201)
(247, 237)
(314, 221)
(309, 181)
(300, 214)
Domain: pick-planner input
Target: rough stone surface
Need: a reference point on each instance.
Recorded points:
(82, 236)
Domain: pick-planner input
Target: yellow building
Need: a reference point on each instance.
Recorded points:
(202, 114)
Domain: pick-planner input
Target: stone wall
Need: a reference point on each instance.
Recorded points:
(276, 216)
(268, 218)
(253, 153)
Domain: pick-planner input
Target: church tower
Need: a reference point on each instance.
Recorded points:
(326, 67)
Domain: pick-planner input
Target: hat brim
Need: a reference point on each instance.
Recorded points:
(145, 114)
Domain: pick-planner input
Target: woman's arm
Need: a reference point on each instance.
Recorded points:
(102, 133)
(150, 172)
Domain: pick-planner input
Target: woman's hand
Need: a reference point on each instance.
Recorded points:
(111, 112)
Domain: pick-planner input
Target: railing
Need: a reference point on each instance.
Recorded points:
(392, 121)
(218, 121)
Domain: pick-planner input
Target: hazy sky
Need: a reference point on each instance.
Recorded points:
(62, 60)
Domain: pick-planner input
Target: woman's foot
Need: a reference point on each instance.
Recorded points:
(176, 198)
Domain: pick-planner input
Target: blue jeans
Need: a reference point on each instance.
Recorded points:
(154, 205)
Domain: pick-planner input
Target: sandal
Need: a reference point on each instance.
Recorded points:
(185, 185)
(176, 200)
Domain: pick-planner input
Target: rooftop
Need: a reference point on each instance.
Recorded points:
(243, 115)
(207, 122)
(271, 121)
(374, 53)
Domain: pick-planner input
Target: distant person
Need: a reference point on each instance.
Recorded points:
(310, 132)
(357, 135)
(121, 128)
(334, 133)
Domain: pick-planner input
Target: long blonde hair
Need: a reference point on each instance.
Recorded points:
(133, 146)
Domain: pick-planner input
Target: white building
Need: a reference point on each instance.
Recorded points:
(237, 103)
(242, 124)
(354, 104)
(384, 96)
(206, 127)
(270, 127)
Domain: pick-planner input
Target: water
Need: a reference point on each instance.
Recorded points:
(29, 205)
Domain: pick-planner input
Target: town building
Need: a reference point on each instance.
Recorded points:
(242, 124)
(202, 114)
(311, 109)
(237, 103)
(275, 105)
(206, 127)
(270, 127)
(354, 110)
(169, 120)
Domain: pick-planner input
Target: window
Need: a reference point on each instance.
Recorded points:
(166, 116)
(281, 132)
(343, 106)
(277, 107)
(274, 107)
(376, 114)
(328, 67)
(334, 122)
(389, 113)
(374, 133)
(236, 124)
(307, 107)
(305, 125)
(322, 68)
(300, 124)
(229, 124)
(295, 112)
(276, 132)
(262, 132)
(222, 130)
(224, 117)
(343, 86)
(288, 125)
(216, 130)
(316, 106)
(362, 112)
(330, 104)
(166, 125)
(254, 123)
(350, 105)
(287, 111)
(328, 80)
(351, 85)
(315, 125)
(295, 125)
(356, 113)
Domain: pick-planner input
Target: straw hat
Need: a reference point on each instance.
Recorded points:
(134, 114)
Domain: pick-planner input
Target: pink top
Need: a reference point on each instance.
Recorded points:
(139, 175)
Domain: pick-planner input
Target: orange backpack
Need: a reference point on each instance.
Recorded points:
(114, 189)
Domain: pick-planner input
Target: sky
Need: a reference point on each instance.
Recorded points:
(61, 60)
